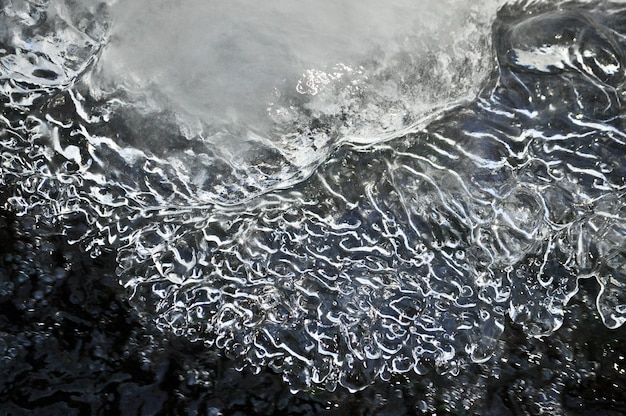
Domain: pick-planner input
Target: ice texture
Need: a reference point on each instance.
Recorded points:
(364, 228)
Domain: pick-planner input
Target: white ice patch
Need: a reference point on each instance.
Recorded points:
(544, 59)
(228, 62)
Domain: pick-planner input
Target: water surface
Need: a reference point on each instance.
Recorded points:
(341, 210)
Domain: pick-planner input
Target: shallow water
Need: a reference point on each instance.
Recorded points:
(399, 204)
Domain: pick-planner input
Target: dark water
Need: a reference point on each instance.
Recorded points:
(80, 349)
(469, 263)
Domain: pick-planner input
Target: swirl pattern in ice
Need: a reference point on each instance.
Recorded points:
(368, 259)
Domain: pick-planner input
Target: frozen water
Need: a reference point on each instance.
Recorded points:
(228, 62)
(338, 191)
(245, 75)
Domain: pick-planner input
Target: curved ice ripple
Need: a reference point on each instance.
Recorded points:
(393, 257)
(47, 46)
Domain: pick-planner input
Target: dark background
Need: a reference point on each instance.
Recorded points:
(71, 345)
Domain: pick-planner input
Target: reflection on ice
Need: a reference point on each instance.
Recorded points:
(283, 192)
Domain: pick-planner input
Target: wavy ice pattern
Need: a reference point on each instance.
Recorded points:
(370, 258)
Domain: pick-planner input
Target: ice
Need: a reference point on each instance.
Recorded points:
(228, 62)
(337, 191)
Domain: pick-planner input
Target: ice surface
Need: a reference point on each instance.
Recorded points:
(328, 189)
(227, 61)
(243, 73)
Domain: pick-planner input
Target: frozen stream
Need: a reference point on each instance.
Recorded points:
(341, 192)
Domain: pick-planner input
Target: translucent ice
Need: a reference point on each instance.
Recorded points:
(311, 188)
